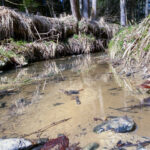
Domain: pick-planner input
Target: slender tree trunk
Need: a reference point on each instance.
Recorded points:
(2, 2)
(26, 10)
(82, 8)
(52, 6)
(123, 12)
(44, 2)
(25, 7)
(85, 9)
(75, 9)
(146, 8)
(94, 9)
(81, 5)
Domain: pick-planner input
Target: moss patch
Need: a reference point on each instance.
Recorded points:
(147, 48)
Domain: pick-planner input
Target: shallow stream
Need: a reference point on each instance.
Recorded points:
(44, 104)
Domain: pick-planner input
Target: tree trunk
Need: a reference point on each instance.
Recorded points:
(2, 2)
(85, 9)
(81, 5)
(123, 12)
(25, 7)
(146, 8)
(94, 9)
(49, 3)
(52, 6)
(75, 9)
(26, 10)
(43, 2)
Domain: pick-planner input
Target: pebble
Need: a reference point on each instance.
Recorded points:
(2, 104)
(92, 146)
(128, 74)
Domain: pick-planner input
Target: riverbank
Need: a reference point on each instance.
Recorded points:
(26, 39)
(130, 50)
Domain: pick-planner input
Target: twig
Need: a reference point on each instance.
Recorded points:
(46, 33)
(45, 128)
(43, 39)
(145, 143)
(37, 31)
(14, 3)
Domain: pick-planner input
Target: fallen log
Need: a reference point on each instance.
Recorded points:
(19, 26)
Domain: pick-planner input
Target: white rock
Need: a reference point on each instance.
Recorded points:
(14, 143)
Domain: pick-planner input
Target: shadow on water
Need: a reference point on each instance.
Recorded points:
(48, 69)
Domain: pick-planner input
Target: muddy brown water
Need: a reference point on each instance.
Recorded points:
(44, 103)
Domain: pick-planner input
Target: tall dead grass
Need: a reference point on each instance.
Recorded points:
(18, 26)
(132, 45)
(13, 24)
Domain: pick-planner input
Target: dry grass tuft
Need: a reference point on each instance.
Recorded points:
(79, 44)
(13, 24)
(85, 44)
(132, 45)
(99, 29)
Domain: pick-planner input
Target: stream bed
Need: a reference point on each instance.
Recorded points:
(45, 104)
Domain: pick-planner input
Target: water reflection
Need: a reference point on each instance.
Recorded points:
(48, 68)
(101, 103)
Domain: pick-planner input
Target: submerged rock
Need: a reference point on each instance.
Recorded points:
(140, 147)
(14, 144)
(20, 103)
(119, 125)
(92, 146)
(57, 104)
(2, 104)
(71, 92)
(77, 100)
(38, 147)
(23, 102)
(128, 74)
